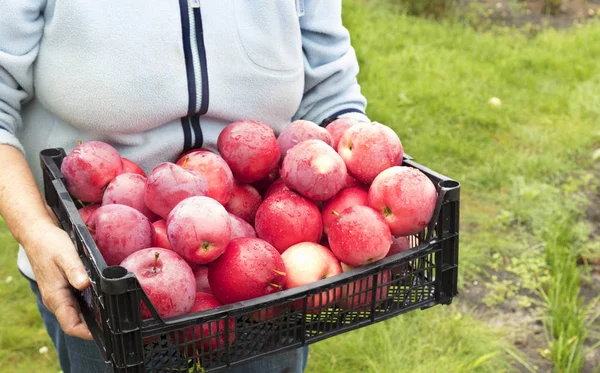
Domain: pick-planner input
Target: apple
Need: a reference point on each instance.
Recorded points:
(287, 218)
(346, 198)
(166, 278)
(207, 337)
(314, 169)
(399, 244)
(199, 229)
(249, 268)
(168, 184)
(131, 167)
(183, 155)
(405, 197)
(299, 131)
(277, 186)
(250, 149)
(309, 262)
(87, 211)
(368, 149)
(160, 239)
(128, 189)
(201, 275)
(352, 182)
(240, 227)
(263, 184)
(337, 128)
(119, 231)
(89, 168)
(215, 170)
(358, 295)
(359, 236)
(244, 202)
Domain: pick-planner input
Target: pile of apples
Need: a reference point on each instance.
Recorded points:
(265, 214)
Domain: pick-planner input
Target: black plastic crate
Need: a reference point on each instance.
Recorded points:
(424, 276)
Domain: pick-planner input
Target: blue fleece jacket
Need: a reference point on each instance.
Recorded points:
(159, 77)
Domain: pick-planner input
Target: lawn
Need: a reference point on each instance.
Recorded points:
(526, 170)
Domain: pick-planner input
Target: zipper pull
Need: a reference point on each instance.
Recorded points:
(194, 3)
(300, 8)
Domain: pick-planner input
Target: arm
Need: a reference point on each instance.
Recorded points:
(330, 66)
(50, 251)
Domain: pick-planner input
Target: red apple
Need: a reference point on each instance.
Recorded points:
(299, 131)
(368, 149)
(168, 184)
(131, 167)
(263, 184)
(215, 170)
(352, 182)
(199, 229)
(244, 202)
(314, 169)
(128, 189)
(249, 268)
(405, 197)
(287, 218)
(86, 212)
(359, 236)
(240, 227)
(183, 155)
(89, 168)
(250, 149)
(277, 186)
(346, 198)
(308, 262)
(201, 275)
(337, 128)
(358, 295)
(160, 239)
(120, 231)
(207, 337)
(166, 278)
(399, 244)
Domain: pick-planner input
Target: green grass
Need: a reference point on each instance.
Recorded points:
(522, 166)
(423, 341)
(22, 332)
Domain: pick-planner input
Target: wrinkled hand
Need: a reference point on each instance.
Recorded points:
(55, 263)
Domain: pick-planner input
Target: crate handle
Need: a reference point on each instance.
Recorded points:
(444, 187)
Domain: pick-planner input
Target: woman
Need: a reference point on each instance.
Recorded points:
(154, 79)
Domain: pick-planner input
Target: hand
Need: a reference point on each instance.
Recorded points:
(55, 263)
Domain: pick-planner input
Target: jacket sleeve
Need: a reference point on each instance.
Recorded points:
(21, 27)
(330, 65)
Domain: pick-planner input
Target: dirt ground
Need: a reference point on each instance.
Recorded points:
(532, 13)
(524, 325)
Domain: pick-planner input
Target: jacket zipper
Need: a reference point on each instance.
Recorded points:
(195, 4)
(196, 70)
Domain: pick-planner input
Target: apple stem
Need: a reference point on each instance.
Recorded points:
(156, 255)
(274, 285)
(335, 213)
(79, 142)
(80, 202)
(92, 230)
(278, 272)
(185, 161)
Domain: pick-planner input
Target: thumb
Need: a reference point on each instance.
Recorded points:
(71, 266)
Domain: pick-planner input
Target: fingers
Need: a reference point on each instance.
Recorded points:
(70, 265)
(67, 314)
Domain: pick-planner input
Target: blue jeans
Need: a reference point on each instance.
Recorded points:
(78, 355)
